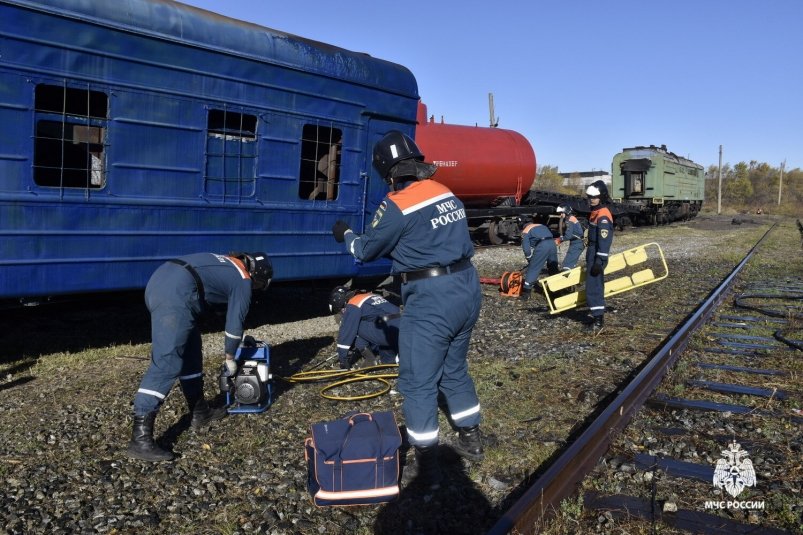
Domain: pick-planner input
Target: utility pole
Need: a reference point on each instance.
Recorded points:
(780, 183)
(719, 188)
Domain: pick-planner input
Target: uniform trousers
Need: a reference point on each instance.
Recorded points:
(172, 299)
(545, 252)
(573, 254)
(595, 288)
(439, 315)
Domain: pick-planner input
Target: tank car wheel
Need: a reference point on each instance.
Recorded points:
(493, 236)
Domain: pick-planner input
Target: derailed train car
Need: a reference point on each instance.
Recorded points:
(657, 186)
(131, 136)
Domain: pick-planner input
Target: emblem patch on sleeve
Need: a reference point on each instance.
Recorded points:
(379, 213)
(603, 233)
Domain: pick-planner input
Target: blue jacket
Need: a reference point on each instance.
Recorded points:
(531, 236)
(600, 235)
(574, 230)
(420, 226)
(363, 325)
(226, 282)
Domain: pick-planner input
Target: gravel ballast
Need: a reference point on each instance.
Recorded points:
(68, 373)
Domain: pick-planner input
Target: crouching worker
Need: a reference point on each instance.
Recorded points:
(539, 248)
(422, 226)
(369, 324)
(176, 295)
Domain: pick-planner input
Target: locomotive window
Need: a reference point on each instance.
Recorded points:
(69, 137)
(230, 154)
(319, 175)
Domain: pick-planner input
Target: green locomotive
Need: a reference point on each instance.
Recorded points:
(656, 185)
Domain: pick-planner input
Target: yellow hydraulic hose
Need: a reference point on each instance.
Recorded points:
(344, 377)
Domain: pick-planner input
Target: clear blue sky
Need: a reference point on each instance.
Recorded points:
(581, 79)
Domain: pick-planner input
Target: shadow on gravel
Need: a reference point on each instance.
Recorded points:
(292, 357)
(78, 323)
(457, 507)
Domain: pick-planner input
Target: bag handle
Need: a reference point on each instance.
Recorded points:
(353, 420)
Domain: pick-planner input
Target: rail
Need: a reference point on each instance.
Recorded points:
(567, 472)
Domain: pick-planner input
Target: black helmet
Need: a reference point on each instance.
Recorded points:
(397, 147)
(565, 209)
(338, 299)
(259, 267)
(523, 220)
(598, 189)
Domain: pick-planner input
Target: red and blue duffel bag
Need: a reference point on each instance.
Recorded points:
(354, 460)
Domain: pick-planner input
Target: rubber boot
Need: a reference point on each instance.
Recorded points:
(142, 445)
(469, 443)
(525, 293)
(425, 469)
(203, 415)
(596, 324)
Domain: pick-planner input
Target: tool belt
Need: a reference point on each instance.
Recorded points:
(460, 265)
(199, 285)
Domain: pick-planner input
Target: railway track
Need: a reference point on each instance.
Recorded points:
(765, 304)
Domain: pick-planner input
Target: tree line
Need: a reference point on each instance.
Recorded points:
(746, 187)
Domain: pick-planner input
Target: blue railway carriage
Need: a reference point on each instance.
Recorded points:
(137, 131)
(657, 186)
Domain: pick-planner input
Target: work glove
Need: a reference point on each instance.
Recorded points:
(229, 367)
(339, 230)
(596, 269)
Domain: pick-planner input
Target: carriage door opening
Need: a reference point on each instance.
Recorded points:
(634, 172)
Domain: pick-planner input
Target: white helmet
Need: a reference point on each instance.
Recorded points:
(598, 189)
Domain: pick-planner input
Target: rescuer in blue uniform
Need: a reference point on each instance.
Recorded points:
(573, 234)
(422, 226)
(539, 248)
(369, 324)
(600, 238)
(177, 294)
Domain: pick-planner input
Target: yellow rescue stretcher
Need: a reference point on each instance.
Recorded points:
(566, 290)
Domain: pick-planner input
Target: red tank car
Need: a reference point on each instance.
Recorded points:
(480, 165)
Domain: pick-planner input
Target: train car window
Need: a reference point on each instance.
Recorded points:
(231, 154)
(319, 175)
(69, 138)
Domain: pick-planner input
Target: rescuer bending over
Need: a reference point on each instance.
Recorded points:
(177, 294)
(539, 248)
(422, 226)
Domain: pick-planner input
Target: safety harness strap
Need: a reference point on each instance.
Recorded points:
(199, 285)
